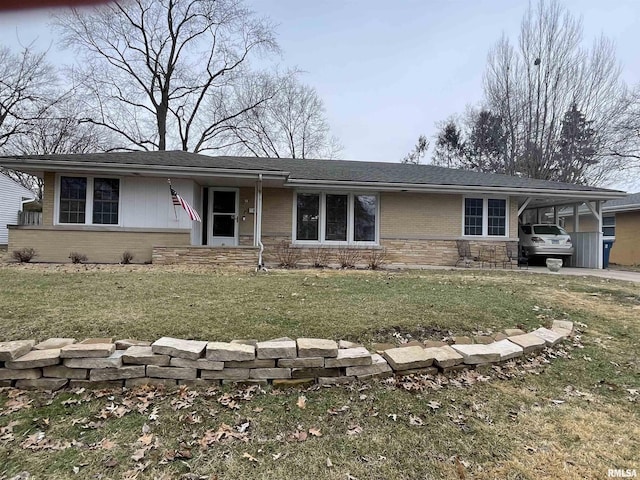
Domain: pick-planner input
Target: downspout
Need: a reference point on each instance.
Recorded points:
(258, 224)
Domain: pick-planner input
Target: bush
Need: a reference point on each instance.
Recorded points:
(77, 257)
(287, 255)
(347, 257)
(318, 257)
(376, 258)
(126, 257)
(24, 255)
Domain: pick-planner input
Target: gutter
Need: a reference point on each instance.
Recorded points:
(175, 170)
(412, 187)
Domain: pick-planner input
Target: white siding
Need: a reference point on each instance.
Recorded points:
(11, 197)
(146, 203)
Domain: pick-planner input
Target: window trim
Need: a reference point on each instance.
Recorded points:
(322, 219)
(485, 215)
(88, 213)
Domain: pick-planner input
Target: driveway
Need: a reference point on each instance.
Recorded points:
(611, 274)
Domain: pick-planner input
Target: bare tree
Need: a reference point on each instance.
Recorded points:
(292, 123)
(532, 85)
(160, 73)
(418, 152)
(26, 90)
(56, 132)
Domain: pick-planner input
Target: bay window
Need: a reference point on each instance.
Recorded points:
(88, 200)
(485, 217)
(336, 218)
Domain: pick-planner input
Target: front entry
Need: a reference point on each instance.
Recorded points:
(224, 217)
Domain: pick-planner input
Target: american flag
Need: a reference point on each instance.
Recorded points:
(179, 201)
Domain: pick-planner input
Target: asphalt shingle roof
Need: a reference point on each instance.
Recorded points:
(324, 170)
(633, 199)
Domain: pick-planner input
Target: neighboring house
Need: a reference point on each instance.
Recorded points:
(620, 222)
(103, 204)
(12, 197)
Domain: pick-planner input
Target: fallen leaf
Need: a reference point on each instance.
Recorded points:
(153, 416)
(276, 456)
(393, 416)
(138, 454)
(434, 405)
(242, 427)
(106, 444)
(315, 432)
(354, 430)
(258, 409)
(249, 457)
(337, 411)
(302, 402)
(329, 463)
(415, 421)
(299, 435)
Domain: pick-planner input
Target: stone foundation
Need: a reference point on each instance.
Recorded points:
(96, 363)
(243, 256)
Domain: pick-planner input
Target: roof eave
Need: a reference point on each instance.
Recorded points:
(135, 169)
(622, 208)
(436, 188)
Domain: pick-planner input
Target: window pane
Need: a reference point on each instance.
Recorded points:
(609, 231)
(473, 216)
(609, 221)
(496, 217)
(308, 207)
(336, 221)
(73, 199)
(224, 202)
(364, 218)
(106, 193)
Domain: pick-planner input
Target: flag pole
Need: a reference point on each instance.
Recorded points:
(171, 194)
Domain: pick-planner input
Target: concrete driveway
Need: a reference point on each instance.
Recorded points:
(611, 274)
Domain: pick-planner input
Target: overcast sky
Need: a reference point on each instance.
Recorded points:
(389, 70)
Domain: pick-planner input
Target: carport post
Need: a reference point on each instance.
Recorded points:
(576, 217)
(597, 212)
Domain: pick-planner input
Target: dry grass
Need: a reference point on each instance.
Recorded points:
(574, 417)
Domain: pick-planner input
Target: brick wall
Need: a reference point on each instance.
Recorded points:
(626, 250)
(53, 244)
(48, 198)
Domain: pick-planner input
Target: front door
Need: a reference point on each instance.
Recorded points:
(224, 217)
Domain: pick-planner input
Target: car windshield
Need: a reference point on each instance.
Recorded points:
(548, 230)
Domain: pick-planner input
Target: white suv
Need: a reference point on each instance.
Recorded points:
(545, 240)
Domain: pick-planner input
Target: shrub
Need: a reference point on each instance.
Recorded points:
(77, 257)
(126, 257)
(376, 258)
(287, 255)
(24, 255)
(347, 257)
(318, 257)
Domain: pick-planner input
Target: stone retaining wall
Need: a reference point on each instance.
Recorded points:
(101, 363)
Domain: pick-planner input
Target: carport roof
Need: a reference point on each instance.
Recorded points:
(306, 172)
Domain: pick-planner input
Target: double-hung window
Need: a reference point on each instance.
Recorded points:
(485, 217)
(88, 200)
(336, 218)
(609, 226)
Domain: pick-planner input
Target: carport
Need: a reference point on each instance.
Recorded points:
(587, 239)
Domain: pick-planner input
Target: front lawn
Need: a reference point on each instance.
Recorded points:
(573, 416)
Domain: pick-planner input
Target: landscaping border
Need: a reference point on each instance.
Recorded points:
(99, 363)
